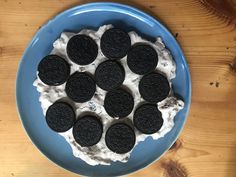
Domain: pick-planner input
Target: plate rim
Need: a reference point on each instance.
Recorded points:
(122, 7)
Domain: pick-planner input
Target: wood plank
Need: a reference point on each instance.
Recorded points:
(206, 30)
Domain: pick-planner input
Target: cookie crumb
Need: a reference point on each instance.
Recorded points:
(211, 83)
(176, 35)
(217, 84)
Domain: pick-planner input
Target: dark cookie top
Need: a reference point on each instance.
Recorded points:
(109, 75)
(60, 117)
(154, 87)
(142, 58)
(148, 119)
(80, 87)
(120, 138)
(118, 103)
(115, 43)
(87, 131)
(82, 49)
(53, 70)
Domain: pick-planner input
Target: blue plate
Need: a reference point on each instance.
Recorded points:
(92, 16)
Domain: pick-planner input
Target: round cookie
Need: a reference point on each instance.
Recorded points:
(118, 103)
(80, 87)
(82, 49)
(60, 116)
(87, 131)
(109, 75)
(115, 43)
(148, 119)
(53, 70)
(120, 138)
(142, 58)
(154, 87)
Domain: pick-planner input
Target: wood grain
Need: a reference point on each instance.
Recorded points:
(206, 30)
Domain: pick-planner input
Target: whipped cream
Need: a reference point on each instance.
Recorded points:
(99, 153)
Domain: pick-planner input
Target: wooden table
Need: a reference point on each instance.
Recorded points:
(206, 31)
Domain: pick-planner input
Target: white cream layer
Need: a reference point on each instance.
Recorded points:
(99, 153)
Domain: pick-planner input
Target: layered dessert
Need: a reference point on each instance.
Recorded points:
(105, 91)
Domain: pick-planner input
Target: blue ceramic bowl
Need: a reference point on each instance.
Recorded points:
(92, 16)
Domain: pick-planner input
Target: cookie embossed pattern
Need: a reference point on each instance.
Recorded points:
(119, 88)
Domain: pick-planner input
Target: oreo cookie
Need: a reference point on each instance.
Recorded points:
(120, 138)
(53, 70)
(142, 58)
(80, 87)
(118, 103)
(60, 117)
(154, 87)
(148, 119)
(115, 43)
(82, 49)
(109, 75)
(87, 131)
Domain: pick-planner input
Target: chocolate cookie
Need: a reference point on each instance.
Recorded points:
(87, 131)
(60, 117)
(154, 87)
(80, 87)
(148, 119)
(142, 58)
(118, 103)
(109, 75)
(120, 138)
(53, 70)
(82, 49)
(115, 43)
